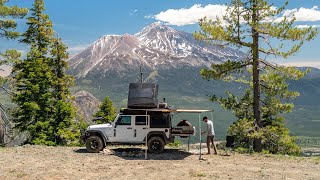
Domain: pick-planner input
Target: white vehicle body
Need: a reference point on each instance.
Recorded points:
(123, 130)
(134, 129)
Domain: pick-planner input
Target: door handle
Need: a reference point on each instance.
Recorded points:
(144, 128)
(129, 128)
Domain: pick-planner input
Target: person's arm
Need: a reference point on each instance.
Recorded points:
(205, 130)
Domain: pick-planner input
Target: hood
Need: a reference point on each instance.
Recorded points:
(99, 126)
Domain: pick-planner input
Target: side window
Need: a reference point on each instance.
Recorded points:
(141, 120)
(124, 120)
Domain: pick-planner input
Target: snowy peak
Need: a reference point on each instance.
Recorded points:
(155, 27)
(126, 43)
(182, 44)
(156, 47)
(165, 39)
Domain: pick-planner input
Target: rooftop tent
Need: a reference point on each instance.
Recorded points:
(143, 95)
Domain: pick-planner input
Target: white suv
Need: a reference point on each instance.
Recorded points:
(134, 127)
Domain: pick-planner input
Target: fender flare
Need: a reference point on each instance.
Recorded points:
(100, 133)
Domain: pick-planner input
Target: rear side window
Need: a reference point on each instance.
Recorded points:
(141, 120)
(124, 120)
(160, 120)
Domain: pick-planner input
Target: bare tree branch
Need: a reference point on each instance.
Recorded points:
(268, 64)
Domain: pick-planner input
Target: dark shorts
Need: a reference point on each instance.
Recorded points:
(210, 138)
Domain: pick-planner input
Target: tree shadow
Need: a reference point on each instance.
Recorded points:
(139, 154)
(136, 153)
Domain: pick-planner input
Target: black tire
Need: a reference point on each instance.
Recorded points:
(156, 144)
(94, 144)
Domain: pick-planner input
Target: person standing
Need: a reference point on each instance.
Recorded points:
(210, 135)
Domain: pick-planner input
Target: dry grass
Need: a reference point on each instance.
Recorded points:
(38, 162)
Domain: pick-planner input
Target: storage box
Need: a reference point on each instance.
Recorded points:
(143, 95)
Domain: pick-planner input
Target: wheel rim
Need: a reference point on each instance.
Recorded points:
(155, 145)
(93, 144)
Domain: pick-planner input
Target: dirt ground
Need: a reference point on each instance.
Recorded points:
(40, 162)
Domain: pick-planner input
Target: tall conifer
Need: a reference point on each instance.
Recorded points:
(42, 94)
(251, 25)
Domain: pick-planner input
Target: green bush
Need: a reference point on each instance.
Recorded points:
(275, 139)
(175, 144)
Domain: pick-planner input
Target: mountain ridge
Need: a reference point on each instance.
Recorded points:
(155, 47)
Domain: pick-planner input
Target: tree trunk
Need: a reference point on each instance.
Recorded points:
(256, 76)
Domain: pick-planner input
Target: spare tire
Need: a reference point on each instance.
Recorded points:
(156, 144)
(94, 144)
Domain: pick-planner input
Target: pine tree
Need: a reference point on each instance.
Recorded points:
(42, 95)
(275, 102)
(7, 31)
(64, 111)
(107, 112)
(251, 24)
(7, 26)
(39, 32)
(33, 97)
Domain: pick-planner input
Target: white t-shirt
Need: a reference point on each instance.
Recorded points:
(210, 129)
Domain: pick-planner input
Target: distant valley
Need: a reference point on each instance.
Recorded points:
(173, 59)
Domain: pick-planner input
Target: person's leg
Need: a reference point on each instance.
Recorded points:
(208, 144)
(212, 143)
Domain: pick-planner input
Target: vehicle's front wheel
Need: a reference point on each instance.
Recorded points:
(94, 144)
(156, 144)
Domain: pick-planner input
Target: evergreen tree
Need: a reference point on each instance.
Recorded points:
(33, 97)
(275, 102)
(107, 112)
(63, 114)
(7, 31)
(251, 24)
(39, 32)
(42, 94)
(7, 26)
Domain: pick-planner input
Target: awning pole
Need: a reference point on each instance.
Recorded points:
(211, 116)
(188, 142)
(146, 150)
(200, 134)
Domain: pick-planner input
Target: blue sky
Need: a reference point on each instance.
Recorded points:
(81, 22)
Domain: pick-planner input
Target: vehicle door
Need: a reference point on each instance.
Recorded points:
(140, 128)
(123, 129)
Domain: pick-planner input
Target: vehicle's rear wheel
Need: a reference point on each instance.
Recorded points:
(156, 144)
(94, 144)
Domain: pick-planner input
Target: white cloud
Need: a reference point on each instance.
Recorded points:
(302, 26)
(133, 12)
(181, 17)
(187, 16)
(302, 14)
(315, 64)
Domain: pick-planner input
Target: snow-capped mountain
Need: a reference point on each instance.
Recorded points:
(155, 47)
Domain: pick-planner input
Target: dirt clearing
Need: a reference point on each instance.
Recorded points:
(40, 162)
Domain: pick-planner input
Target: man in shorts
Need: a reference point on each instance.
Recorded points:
(210, 135)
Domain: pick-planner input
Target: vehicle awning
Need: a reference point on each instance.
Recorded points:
(173, 110)
(198, 111)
